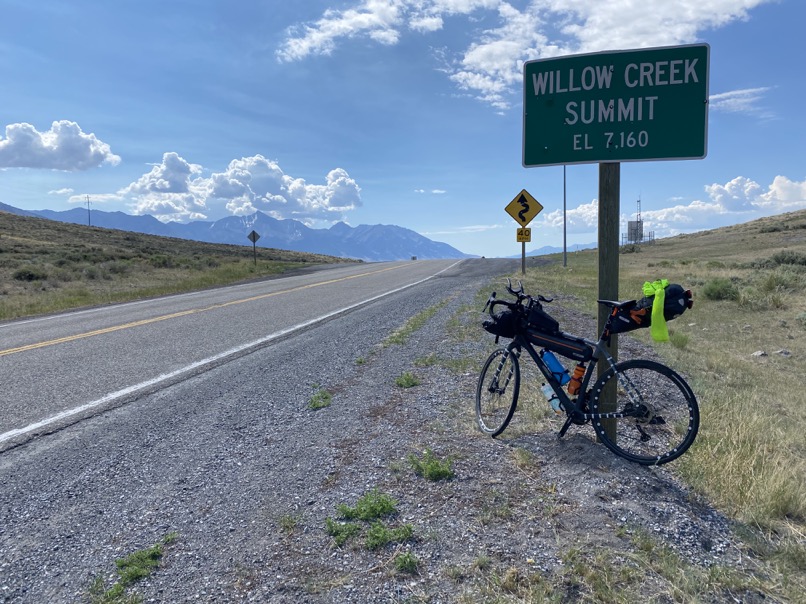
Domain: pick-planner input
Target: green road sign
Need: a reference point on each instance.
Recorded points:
(635, 105)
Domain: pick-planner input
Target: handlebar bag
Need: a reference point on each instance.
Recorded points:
(504, 323)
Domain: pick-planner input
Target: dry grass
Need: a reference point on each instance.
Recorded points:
(750, 455)
(48, 266)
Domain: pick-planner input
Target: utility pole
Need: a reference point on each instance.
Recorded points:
(565, 220)
(89, 220)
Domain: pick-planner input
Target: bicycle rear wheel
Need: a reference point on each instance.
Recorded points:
(497, 391)
(663, 416)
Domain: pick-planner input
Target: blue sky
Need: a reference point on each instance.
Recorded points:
(405, 112)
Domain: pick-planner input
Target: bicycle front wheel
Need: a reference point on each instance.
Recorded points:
(662, 416)
(497, 391)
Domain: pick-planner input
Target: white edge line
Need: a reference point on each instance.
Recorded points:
(11, 434)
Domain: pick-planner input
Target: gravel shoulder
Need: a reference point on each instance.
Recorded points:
(247, 478)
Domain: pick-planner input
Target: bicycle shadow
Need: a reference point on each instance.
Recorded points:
(606, 494)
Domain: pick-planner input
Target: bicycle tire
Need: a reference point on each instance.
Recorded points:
(495, 403)
(671, 419)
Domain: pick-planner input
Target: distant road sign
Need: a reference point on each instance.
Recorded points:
(524, 235)
(634, 105)
(523, 208)
(253, 237)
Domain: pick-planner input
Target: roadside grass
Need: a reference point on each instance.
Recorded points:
(401, 335)
(130, 569)
(48, 266)
(749, 284)
(597, 575)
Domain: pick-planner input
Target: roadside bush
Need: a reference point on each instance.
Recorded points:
(161, 261)
(720, 288)
(30, 274)
(789, 257)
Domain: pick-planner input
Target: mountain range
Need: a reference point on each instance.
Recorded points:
(372, 243)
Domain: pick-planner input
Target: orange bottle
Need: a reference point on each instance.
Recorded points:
(576, 380)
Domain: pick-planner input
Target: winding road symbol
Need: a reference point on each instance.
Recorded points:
(522, 214)
(523, 208)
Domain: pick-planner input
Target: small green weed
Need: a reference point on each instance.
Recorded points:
(379, 535)
(371, 506)
(341, 531)
(427, 361)
(430, 467)
(320, 399)
(289, 522)
(407, 380)
(407, 563)
(132, 568)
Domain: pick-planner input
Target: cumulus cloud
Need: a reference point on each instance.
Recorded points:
(738, 200)
(64, 147)
(738, 195)
(582, 219)
(178, 190)
(491, 66)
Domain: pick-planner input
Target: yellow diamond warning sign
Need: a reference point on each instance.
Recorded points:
(523, 208)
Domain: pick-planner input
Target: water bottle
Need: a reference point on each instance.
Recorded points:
(576, 380)
(560, 373)
(551, 397)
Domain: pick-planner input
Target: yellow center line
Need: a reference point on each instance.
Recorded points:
(183, 313)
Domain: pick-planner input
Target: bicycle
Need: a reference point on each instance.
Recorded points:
(640, 409)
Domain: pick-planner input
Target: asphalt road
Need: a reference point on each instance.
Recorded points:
(58, 369)
(188, 406)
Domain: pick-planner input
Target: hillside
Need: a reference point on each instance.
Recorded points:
(47, 265)
(372, 243)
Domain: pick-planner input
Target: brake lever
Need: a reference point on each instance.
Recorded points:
(544, 299)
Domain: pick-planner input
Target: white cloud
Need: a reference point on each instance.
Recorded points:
(177, 190)
(784, 195)
(491, 67)
(64, 147)
(172, 190)
(582, 219)
(61, 192)
(738, 200)
(738, 195)
(740, 101)
(432, 191)
(593, 25)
